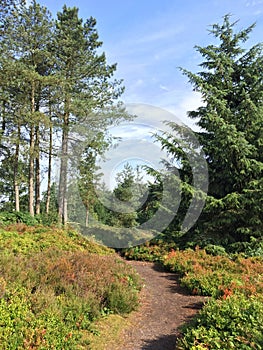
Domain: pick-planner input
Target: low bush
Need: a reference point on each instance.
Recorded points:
(234, 322)
(54, 284)
(233, 317)
(21, 239)
(21, 328)
(7, 218)
(150, 251)
(248, 249)
(209, 275)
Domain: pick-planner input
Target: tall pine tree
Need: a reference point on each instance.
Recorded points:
(86, 83)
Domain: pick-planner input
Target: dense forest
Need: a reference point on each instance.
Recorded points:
(56, 82)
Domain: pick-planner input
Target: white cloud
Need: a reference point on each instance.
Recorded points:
(160, 35)
(189, 102)
(134, 130)
(137, 145)
(254, 3)
(162, 87)
(138, 82)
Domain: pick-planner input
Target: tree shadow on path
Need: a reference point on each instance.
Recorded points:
(168, 342)
(165, 342)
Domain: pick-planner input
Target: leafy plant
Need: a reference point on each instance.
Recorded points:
(235, 322)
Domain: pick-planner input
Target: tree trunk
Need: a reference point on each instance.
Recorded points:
(62, 202)
(3, 126)
(31, 155)
(65, 209)
(87, 217)
(49, 166)
(16, 160)
(37, 170)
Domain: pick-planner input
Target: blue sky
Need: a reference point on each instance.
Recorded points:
(150, 39)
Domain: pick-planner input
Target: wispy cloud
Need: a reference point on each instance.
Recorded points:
(160, 35)
(162, 87)
(254, 3)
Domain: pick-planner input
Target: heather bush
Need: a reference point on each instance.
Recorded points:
(209, 275)
(21, 328)
(233, 317)
(21, 239)
(53, 286)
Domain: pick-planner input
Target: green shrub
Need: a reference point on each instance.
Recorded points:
(22, 329)
(54, 284)
(209, 283)
(235, 322)
(248, 249)
(209, 275)
(120, 299)
(7, 218)
(150, 251)
(215, 250)
(21, 239)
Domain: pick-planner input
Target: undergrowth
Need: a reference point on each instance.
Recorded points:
(232, 318)
(54, 284)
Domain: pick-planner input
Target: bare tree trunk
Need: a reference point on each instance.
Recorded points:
(65, 209)
(31, 155)
(31, 173)
(87, 217)
(37, 170)
(62, 202)
(49, 167)
(16, 183)
(3, 122)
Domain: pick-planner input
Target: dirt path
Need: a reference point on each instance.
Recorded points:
(165, 306)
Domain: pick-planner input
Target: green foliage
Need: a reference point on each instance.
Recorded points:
(213, 249)
(128, 192)
(53, 77)
(232, 318)
(210, 275)
(28, 240)
(252, 248)
(150, 251)
(233, 323)
(231, 120)
(21, 328)
(54, 284)
(7, 218)
(116, 237)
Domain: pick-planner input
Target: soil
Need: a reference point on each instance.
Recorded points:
(164, 307)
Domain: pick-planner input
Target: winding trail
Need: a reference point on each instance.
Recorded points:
(164, 307)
